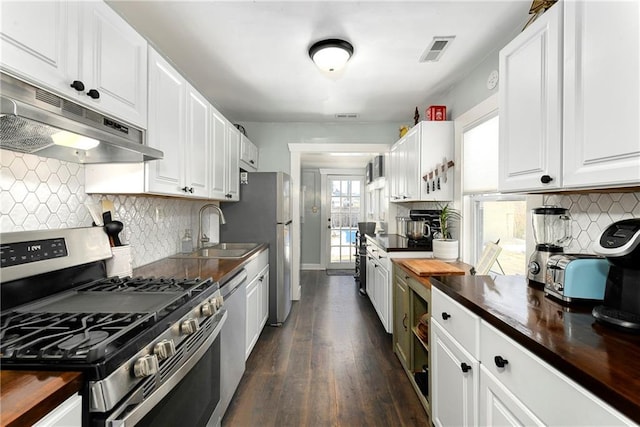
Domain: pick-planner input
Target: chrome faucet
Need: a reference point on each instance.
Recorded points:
(202, 238)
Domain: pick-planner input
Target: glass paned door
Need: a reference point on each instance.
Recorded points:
(345, 210)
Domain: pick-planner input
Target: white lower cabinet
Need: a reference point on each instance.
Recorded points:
(542, 390)
(455, 374)
(67, 414)
(455, 369)
(257, 299)
(257, 310)
(504, 383)
(379, 284)
(499, 406)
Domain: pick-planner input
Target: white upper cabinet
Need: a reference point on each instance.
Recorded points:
(531, 107)
(601, 93)
(167, 121)
(425, 151)
(248, 154)
(81, 50)
(225, 143)
(179, 126)
(570, 99)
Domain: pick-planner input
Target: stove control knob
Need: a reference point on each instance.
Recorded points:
(145, 366)
(189, 326)
(164, 349)
(219, 300)
(207, 309)
(534, 267)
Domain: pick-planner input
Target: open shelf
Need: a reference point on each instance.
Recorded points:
(415, 333)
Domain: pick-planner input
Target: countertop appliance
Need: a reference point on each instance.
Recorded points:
(427, 222)
(36, 121)
(572, 277)
(620, 244)
(143, 344)
(263, 215)
(552, 232)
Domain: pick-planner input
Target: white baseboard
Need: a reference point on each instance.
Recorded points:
(312, 267)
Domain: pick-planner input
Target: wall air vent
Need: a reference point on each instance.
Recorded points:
(436, 49)
(346, 116)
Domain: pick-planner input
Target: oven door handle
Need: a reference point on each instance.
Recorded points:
(230, 286)
(141, 409)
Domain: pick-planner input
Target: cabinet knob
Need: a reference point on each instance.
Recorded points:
(251, 161)
(545, 179)
(78, 85)
(445, 315)
(465, 368)
(500, 362)
(94, 94)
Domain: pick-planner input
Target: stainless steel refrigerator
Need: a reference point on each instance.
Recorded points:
(263, 215)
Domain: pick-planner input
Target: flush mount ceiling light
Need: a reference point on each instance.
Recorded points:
(331, 54)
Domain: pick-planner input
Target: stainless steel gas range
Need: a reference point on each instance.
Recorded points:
(149, 348)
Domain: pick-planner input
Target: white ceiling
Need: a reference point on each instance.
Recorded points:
(250, 58)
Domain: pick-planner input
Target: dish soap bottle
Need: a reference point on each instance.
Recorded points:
(187, 242)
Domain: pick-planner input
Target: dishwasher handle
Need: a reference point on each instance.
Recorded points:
(230, 286)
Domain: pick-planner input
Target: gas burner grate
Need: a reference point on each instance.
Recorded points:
(85, 337)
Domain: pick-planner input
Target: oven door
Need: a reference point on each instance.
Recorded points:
(188, 398)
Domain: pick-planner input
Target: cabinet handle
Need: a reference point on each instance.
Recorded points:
(251, 161)
(404, 322)
(191, 190)
(94, 94)
(545, 179)
(185, 189)
(407, 277)
(465, 368)
(228, 196)
(78, 85)
(445, 315)
(500, 362)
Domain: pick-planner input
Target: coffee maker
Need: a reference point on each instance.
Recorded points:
(620, 244)
(423, 223)
(552, 232)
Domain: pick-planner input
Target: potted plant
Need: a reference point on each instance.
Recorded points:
(445, 248)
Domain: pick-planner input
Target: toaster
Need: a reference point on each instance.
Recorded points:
(570, 277)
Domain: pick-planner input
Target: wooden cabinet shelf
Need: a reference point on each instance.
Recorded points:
(420, 340)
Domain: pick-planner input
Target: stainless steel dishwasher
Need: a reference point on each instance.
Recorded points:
(232, 341)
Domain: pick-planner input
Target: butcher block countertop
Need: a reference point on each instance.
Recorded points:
(27, 396)
(603, 360)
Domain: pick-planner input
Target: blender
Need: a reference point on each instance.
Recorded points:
(552, 232)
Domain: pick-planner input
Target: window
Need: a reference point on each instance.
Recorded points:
(493, 217)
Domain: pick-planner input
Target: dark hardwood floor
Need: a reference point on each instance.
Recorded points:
(331, 364)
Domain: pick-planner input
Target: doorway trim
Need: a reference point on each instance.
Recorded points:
(296, 150)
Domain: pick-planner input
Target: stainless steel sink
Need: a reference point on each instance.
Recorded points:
(221, 250)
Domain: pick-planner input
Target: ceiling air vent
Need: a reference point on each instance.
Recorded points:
(346, 116)
(436, 49)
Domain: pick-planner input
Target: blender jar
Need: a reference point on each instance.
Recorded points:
(551, 226)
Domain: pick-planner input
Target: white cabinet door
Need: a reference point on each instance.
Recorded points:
(436, 150)
(53, 44)
(233, 164)
(253, 313)
(499, 407)
(67, 414)
(113, 63)
(396, 172)
(198, 144)
(601, 93)
(411, 155)
(454, 377)
(382, 295)
(263, 280)
(167, 115)
(248, 154)
(39, 41)
(218, 154)
(531, 107)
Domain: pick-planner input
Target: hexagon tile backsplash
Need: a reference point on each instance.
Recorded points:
(38, 193)
(592, 213)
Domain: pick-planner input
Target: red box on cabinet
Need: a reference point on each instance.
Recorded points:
(437, 113)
